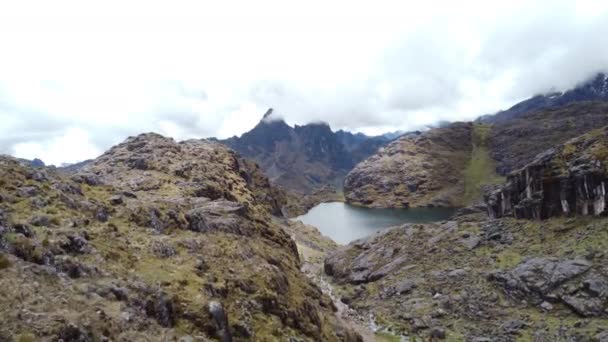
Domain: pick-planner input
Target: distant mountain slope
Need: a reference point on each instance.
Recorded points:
(596, 89)
(304, 157)
(75, 166)
(415, 170)
(450, 166)
(33, 163)
(516, 142)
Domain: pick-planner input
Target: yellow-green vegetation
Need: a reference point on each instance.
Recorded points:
(481, 169)
(599, 150)
(569, 150)
(4, 262)
(26, 337)
(386, 337)
(508, 259)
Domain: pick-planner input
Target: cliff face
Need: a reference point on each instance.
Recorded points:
(566, 180)
(418, 169)
(154, 240)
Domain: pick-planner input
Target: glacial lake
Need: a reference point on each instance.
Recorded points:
(344, 223)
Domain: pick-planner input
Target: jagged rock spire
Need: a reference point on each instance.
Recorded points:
(268, 114)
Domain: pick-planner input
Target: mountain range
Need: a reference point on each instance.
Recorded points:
(450, 165)
(305, 157)
(594, 89)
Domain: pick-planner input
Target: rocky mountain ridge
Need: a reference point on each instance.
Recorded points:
(594, 89)
(302, 158)
(154, 240)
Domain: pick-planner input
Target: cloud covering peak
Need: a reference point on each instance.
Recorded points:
(76, 78)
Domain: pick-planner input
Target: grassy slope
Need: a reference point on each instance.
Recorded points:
(481, 169)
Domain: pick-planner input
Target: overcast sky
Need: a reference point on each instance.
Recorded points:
(77, 77)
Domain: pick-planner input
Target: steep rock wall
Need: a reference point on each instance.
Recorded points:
(567, 180)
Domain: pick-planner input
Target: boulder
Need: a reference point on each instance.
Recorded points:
(75, 244)
(540, 276)
(160, 307)
(217, 313)
(163, 249)
(28, 191)
(220, 215)
(585, 306)
(23, 229)
(41, 221)
(513, 326)
(596, 286)
(73, 333)
(116, 200)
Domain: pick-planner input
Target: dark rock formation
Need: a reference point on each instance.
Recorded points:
(216, 310)
(566, 281)
(540, 277)
(569, 179)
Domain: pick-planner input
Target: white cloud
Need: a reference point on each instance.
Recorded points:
(71, 146)
(188, 69)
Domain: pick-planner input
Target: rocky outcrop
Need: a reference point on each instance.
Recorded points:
(299, 204)
(570, 282)
(154, 240)
(418, 169)
(567, 180)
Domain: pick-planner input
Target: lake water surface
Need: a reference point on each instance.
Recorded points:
(344, 223)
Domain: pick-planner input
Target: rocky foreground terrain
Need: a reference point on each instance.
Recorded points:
(476, 280)
(153, 241)
(510, 277)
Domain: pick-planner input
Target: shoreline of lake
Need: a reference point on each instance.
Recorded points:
(345, 223)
